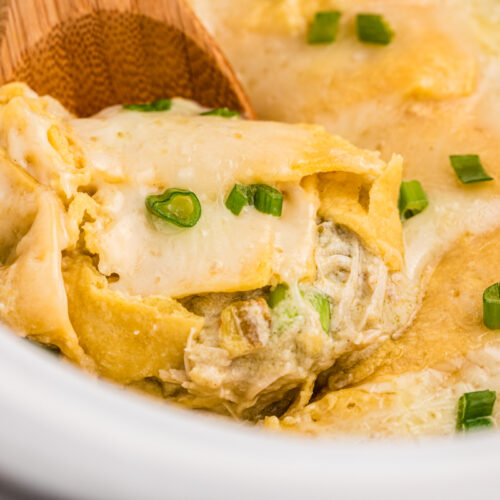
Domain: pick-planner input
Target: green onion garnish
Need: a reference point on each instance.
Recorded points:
(491, 307)
(476, 404)
(319, 301)
(321, 304)
(277, 294)
(324, 27)
(373, 28)
(412, 199)
(268, 200)
(473, 406)
(158, 105)
(469, 168)
(223, 112)
(177, 206)
(478, 424)
(239, 196)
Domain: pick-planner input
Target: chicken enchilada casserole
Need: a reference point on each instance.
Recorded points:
(329, 269)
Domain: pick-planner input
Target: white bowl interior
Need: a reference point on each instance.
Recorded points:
(65, 433)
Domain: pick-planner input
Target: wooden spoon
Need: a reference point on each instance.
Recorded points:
(90, 54)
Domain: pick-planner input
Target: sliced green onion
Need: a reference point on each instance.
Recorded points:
(239, 196)
(469, 168)
(412, 199)
(491, 307)
(319, 301)
(477, 424)
(324, 27)
(177, 206)
(474, 405)
(265, 198)
(373, 28)
(321, 304)
(223, 112)
(157, 105)
(268, 200)
(277, 295)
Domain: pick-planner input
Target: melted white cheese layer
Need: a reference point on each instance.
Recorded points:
(222, 252)
(137, 154)
(448, 217)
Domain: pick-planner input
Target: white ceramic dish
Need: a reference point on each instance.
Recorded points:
(67, 435)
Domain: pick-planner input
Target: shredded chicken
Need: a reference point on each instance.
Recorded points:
(248, 372)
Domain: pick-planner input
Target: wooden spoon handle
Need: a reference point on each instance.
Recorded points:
(93, 53)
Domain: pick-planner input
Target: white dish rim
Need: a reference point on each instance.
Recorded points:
(69, 435)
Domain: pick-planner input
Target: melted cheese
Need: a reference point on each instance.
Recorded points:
(291, 80)
(207, 154)
(123, 156)
(35, 135)
(448, 217)
(221, 253)
(148, 152)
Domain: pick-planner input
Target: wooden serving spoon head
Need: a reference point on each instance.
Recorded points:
(90, 54)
